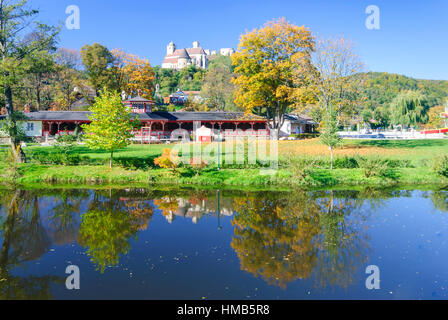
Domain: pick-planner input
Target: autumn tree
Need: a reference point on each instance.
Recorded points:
(15, 48)
(133, 74)
(98, 60)
(434, 118)
(409, 108)
(111, 124)
(265, 64)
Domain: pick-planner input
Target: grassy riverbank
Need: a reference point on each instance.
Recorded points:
(301, 163)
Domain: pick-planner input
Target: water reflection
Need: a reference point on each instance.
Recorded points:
(278, 237)
(284, 239)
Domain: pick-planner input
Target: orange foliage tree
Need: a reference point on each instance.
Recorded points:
(266, 64)
(133, 74)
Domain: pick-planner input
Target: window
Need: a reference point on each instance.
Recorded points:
(30, 127)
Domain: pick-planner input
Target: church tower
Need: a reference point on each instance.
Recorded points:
(170, 48)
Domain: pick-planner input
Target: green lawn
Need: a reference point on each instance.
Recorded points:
(411, 164)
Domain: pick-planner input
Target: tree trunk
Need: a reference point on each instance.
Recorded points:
(18, 153)
(331, 158)
(38, 98)
(111, 159)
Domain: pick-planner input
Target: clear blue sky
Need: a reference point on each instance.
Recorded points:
(412, 40)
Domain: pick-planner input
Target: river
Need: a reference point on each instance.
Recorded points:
(223, 244)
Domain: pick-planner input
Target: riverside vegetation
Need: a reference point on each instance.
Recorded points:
(302, 163)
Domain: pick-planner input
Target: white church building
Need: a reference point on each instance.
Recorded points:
(181, 58)
(197, 56)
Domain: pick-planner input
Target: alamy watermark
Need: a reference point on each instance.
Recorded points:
(73, 21)
(373, 20)
(73, 281)
(373, 280)
(229, 147)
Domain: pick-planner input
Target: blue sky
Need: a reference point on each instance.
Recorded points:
(412, 40)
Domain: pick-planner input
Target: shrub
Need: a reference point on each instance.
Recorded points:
(167, 160)
(59, 159)
(67, 139)
(301, 168)
(346, 163)
(373, 166)
(440, 165)
(135, 163)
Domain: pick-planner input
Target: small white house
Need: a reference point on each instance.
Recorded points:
(30, 128)
(297, 124)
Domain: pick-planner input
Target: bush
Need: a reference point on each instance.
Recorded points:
(373, 167)
(135, 163)
(168, 161)
(346, 163)
(440, 165)
(59, 159)
(67, 138)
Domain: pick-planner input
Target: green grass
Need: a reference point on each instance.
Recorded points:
(411, 166)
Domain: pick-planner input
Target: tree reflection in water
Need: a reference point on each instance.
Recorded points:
(282, 239)
(24, 239)
(109, 225)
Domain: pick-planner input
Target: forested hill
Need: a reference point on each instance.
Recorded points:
(381, 87)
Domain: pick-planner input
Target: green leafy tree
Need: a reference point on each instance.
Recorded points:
(15, 47)
(111, 124)
(98, 61)
(217, 88)
(409, 108)
(41, 66)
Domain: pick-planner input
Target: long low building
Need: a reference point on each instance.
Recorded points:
(153, 124)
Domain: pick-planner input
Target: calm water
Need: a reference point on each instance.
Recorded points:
(197, 244)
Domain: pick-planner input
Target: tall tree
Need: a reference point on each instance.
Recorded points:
(70, 82)
(335, 65)
(111, 124)
(265, 63)
(409, 108)
(41, 66)
(98, 60)
(217, 88)
(16, 20)
(133, 74)
(334, 86)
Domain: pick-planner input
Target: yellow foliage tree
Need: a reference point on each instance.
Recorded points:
(133, 74)
(266, 64)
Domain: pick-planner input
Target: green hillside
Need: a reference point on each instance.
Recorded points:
(381, 87)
